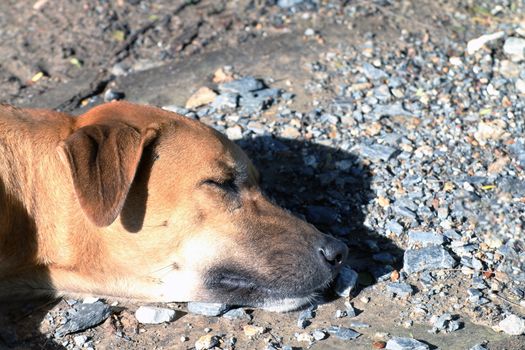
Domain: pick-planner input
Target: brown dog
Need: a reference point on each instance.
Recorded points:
(137, 202)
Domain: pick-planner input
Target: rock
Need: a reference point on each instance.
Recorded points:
(225, 102)
(392, 110)
(235, 314)
(201, 97)
(340, 313)
(343, 333)
(80, 340)
(154, 315)
(377, 152)
(119, 69)
(305, 316)
(290, 132)
(289, 3)
(319, 334)
(346, 281)
(400, 289)
(241, 86)
(234, 132)
(430, 258)
(309, 32)
(520, 86)
(83, 317)
(509, 69)
(476, 44)
(441, 323)
(90, 300)
(207, 341)
(424, 238)
(112, 95)
(350, 310)
(222, 75)
(397, 343)
(304, 337)
(512, 325)
(251, 330)
(394, 227)
(514, 48)
(251, 104)
(479, 347)
(490, 130)
(256, 127)
(359, 325)
(373, 73)
(379, 344)
(207, 309)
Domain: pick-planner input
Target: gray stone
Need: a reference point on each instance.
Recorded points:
(234, 132)
(454, 325)
(289, 3)
(112, 95)
(479, 347)
(424, 238)
(515, 48)
(346, 281)
(80, 340)
(207, 309)
(272, 93)
(241, 86)
(319, 334)
(359, 325)
(394, 227)
(236, 314)
(251, 104)
(256, 127)
(83, 317)
(350, 310)
(512, 325)
(392, 110)
(225, 102)
(340, 313)
(377, 152)
(343, 333)
(400, 288)
(397, 343)
(442, 321)
(430, 258)
(373, 73)
(154, 315)
(305, 316)
(403, 211)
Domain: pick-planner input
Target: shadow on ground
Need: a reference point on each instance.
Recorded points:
(328, 187)
(20, 323)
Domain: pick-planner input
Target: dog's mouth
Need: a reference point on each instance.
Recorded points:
(238, 287)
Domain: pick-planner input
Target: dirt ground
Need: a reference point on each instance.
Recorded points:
(66, 54)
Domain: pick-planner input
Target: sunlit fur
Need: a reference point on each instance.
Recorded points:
(173, 230)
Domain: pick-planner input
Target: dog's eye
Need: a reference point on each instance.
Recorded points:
(227, 185)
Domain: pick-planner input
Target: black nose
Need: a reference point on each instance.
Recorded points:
(333, 252)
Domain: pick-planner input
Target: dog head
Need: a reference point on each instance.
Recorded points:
(181, 203)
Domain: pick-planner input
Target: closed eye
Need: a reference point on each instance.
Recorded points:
(226, 185)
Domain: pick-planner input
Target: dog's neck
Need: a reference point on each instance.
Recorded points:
(25, 182)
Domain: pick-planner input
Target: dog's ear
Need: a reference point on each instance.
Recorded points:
(103, 159)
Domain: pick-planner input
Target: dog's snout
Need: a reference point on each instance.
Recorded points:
(333, 252)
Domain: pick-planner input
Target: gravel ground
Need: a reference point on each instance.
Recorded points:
(399, 128)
